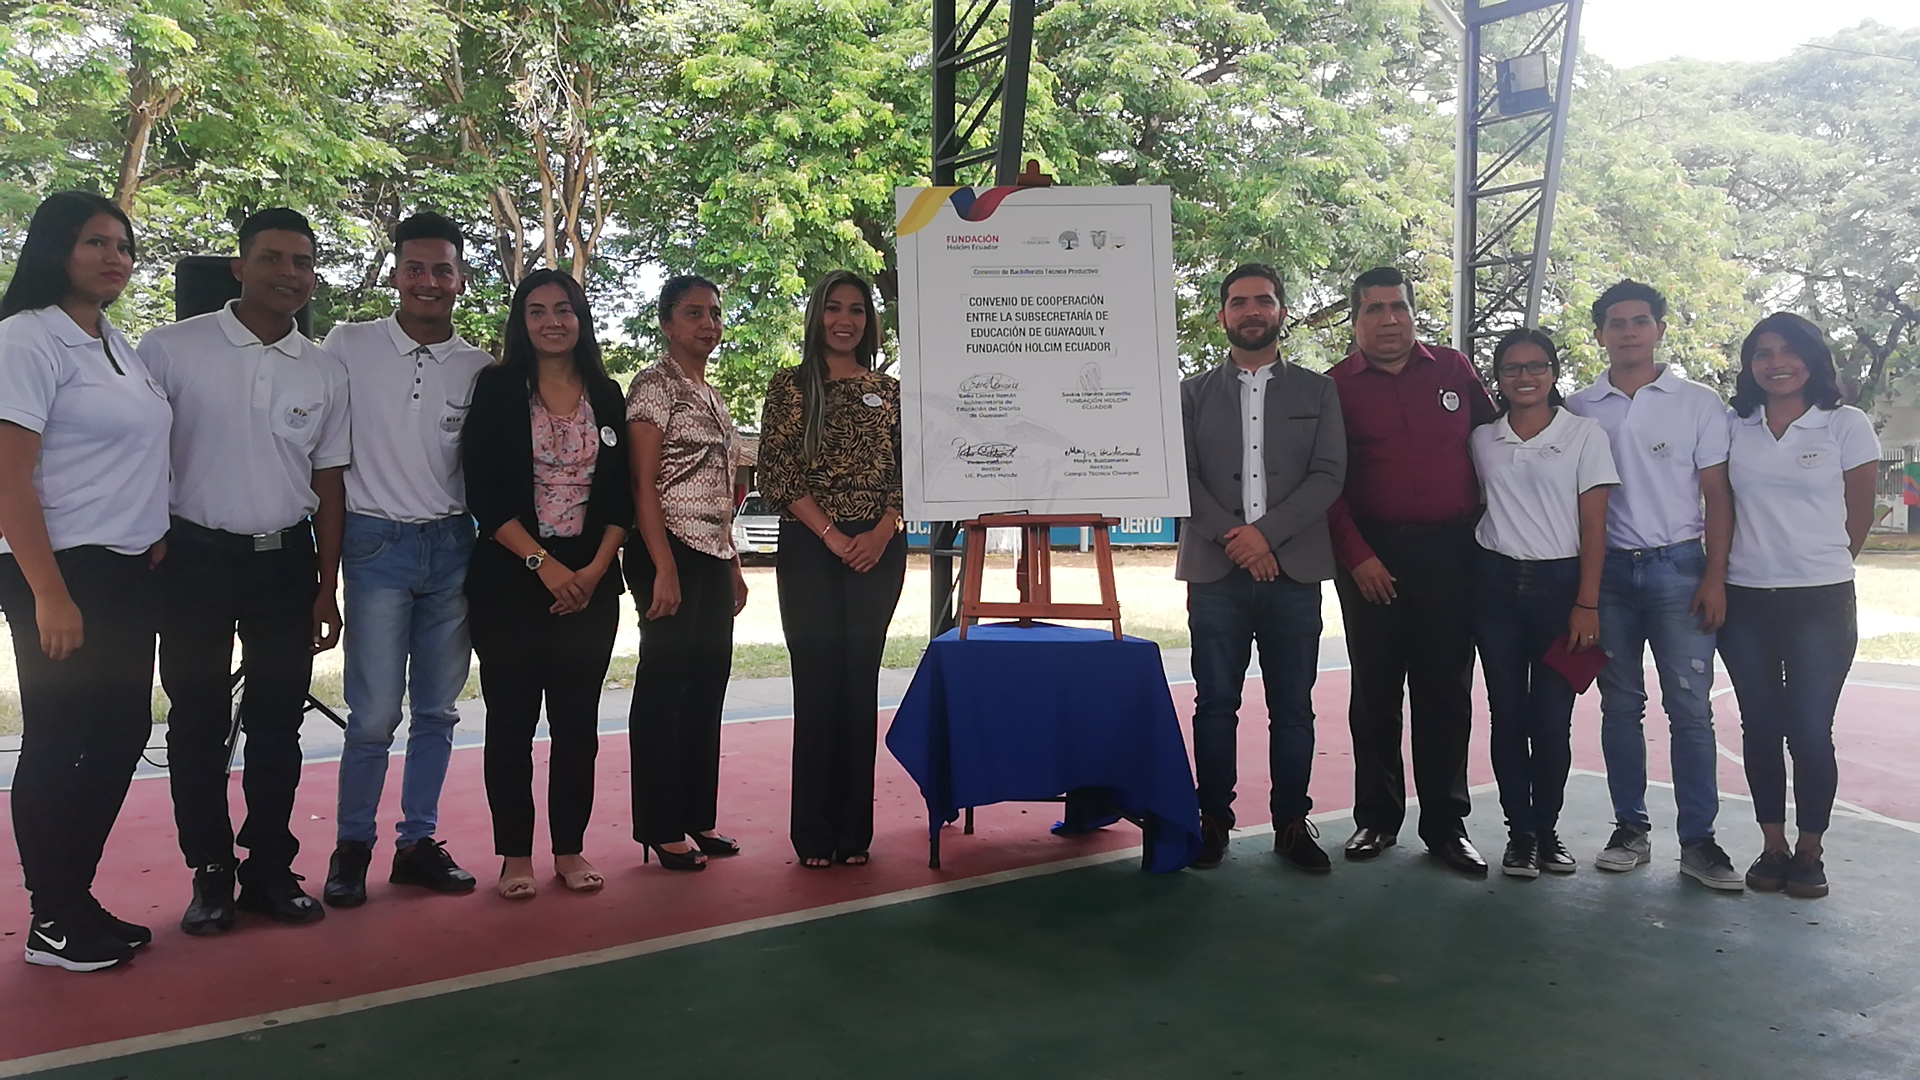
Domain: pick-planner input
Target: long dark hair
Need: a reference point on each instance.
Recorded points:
(40, 277)
(1516, 336)
(1809, 344)
(813, 356)
(519, 353)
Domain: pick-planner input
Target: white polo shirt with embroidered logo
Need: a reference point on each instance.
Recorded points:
(252, 421)
(1789, 497)
(1533, 486)
(102, 422)
(409, 402)
(1661, 437)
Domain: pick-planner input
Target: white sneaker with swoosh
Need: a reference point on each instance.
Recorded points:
(74, 945)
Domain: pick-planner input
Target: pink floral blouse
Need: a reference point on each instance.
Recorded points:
(564, 450)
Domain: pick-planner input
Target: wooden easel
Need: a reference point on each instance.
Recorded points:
(1033, 571)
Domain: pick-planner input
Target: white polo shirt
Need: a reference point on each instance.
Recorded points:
(1662, 437)
(252, 421)
(1533, 487)
(102, 422)
(1253, 464)
(409, 402)
(1789, 500)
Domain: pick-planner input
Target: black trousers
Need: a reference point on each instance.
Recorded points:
(211, 590)
(673, 729)
(836, 627)
(1424, 642)
(529, 655)
(84, 719)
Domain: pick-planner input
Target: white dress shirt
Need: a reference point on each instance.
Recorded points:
(102, 422)
(1253, 466)
(1533, 486)
(1789, 498)
(1662, 437)
(252, 421)
(409, 402)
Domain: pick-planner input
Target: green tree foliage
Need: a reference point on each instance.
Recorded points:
(759, 142)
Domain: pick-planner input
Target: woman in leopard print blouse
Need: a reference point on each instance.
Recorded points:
(830, 460)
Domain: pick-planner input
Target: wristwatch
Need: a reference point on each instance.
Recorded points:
(534, 560)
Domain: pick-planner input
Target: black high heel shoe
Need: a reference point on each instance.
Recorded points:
(673, 860)
(717, 846)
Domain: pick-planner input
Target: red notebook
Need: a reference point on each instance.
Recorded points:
(1579, 668)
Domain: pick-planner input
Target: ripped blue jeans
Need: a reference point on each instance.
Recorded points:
(1644, 597)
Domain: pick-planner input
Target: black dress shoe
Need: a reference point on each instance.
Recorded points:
(427, 864)
(211, 911)
(1368, 843)
(347, 874)
(1458, 853)
(1213, 843)
(274, 891)
(1295, 841)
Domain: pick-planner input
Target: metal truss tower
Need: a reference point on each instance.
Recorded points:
(1516, 81)
(972, 79)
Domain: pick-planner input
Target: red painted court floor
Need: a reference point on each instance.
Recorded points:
(404, 938)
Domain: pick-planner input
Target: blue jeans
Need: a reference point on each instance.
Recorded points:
(1788, 652)
(1644, 597)
(405, 599)
(1519, 608)
(1226, 618)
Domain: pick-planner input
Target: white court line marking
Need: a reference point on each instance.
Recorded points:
(138, 1044)
(281, 1018)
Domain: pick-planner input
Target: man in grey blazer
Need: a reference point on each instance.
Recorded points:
(1266, 456)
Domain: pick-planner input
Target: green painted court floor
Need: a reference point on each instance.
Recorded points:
(1391, 969)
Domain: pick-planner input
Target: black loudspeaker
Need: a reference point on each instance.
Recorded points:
(203, 283)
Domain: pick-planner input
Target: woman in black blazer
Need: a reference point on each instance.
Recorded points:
(545, 454)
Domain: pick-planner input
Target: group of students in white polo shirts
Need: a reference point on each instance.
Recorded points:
(196, 490)
(1644, 511)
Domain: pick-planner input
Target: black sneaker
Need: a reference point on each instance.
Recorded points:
(211, 911)
(1554, 856)
(74, 944)
(1295, 842)
(427, 864)
(1806, 878)
(132, 935)
(1522, 859)
(1213, 843)
(1769, 872)
(276, 893)
(347, 874)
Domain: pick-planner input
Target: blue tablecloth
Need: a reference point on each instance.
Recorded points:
(1016, 713)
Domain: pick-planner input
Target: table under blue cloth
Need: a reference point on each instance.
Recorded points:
(1026, 713)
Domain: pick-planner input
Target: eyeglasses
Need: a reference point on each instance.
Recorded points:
(1537, 367)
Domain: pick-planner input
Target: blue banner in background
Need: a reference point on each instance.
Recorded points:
(1131, 532)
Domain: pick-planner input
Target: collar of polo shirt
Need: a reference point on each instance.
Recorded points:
(1503, 428)
(69, 332)
(406, 346)
(1666, 382)
(294, 344)
(1814, 417)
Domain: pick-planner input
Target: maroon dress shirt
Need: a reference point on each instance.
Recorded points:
(1407, 459)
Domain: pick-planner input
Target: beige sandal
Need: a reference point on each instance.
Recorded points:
(517, 888)
(584, 880)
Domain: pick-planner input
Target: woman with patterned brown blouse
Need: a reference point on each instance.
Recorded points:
(830, 459)
(686, 582)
